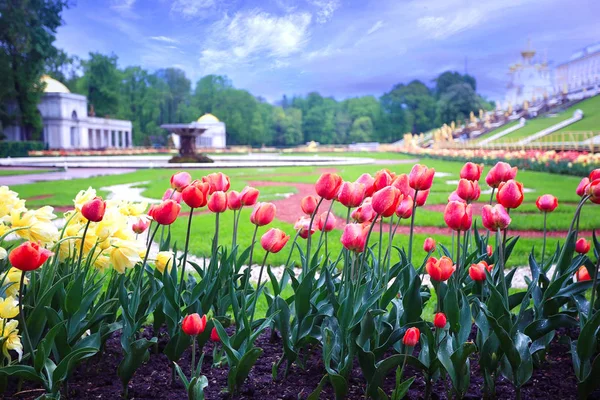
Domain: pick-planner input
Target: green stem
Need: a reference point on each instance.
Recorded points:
(412, 227)
(258, 288)
(22, 315)
(366, 249)
(139, 283)
(193, 366)
(250, 261)
(380, 244)
(308, 239)
(87, 225)
(457, 272)
(501, 263)
(185, 253)
(216, 237)
(233, 237)
(544, 242)
(594, 285)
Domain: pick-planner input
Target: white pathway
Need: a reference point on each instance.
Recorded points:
(577, 115)
(504, 132)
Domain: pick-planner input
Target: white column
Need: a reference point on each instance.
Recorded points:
(93, 144)
(110, 140)
(123, 144)
(130, 138)
(98, 138)
(118, 138)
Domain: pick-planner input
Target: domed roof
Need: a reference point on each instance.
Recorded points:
(208, 118)
(53, 86)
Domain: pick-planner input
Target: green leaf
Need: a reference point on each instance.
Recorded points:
(134, 358)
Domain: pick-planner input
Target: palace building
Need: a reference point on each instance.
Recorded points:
(581, 71)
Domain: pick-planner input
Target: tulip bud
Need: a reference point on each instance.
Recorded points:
(302, 227)
(489, 250)
(383, 178)
(510, 194)
(217, 182)
(263, 214)
(439, 320)
(195, 195)
(421, 197)
(405, 207)
(455, 197)
(458, 216)
(214, 335)
(582, 186)
(351, 194)
(546, 203)
(180, 180)
(140, 225)
(582, 274)
(421, 177)
(364, 213)
(595, 174)
(94, 209)
(217, 202)
(411, 337)
(429, 245)
(369, 182)
(593, 190)
(328, 185)
(440, 270)
(495, 217)
(582, 246)
(354, 237)
(166, 212)
(401, 182)
(471, 171)
(468, 190)
(249, 195)
(274, 240)
(28, 256)
(234, 200)
(171, 194)
(193, 325)
(385, 201)
(501, 172)
(326, 222)
(308, 204)
(477, 271)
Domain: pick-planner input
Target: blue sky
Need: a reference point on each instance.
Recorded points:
(341, 48)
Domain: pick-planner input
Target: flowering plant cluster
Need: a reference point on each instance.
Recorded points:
(100, 274)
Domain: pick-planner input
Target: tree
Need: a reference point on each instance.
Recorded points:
(27, 34)
(62, 67)
(417, 101)
(362, 130)
(457, 103)
(448, 78)
(101, 83)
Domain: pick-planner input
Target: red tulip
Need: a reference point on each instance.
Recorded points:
(180, 180)
(546, 203)
(477, 271)
(582, 274)
(166, 212)
(193, 324)
(326, 222)
(401, 182)
(582, 246)
(421, 197)
(171, 194)
(495, 217)
(595, 174)
(351, 194)
(468, 190)
(263, 214)
(439, 320)
(458, 216)
(274, 240)
(249, 196)
(94, 209)
(308, 204)
(140, 225)
(364, 213)
(582, 186)
(383, 178)
(429, 245)
(195, 195)
(28, 256)
(354, 237)
(440, 270)
(328, 185)
(593, 190)
(218, 182)
(369, 182)
(421, 177)
(214, 335)
(405, 207)
(302, 225)
(489, 250)
(234, 200)
(455, 197)
(217, 202)
(510, 194)
(471, 171)
(386, 200)
(501, 172)
(411, 337)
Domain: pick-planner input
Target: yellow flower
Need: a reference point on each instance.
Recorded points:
(37, 230)
(44, 214)
(12, 281)
(164, 258)
(3, 253)
(9, 307)
(10, 338)
(3, 229)
(124, 254)
(102, 262)
(83, 197)
(9, 202)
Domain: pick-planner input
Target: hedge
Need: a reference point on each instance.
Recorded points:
(19, 149)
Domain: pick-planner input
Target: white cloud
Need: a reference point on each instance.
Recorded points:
(191, 8)
(325, 9)
(377, 26)
(442, 27)
(165, 39)
(323, 53)
(122, 4)
(249, 36)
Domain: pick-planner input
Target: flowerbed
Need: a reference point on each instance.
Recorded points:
(95, 290)
(557, 162)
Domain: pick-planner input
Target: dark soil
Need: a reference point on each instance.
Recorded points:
(97, 378)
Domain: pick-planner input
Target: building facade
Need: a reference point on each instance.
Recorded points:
(67, 124)
(581, 72)
(529, 80)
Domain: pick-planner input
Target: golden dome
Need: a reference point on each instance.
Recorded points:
(53, 86)
(208, 118)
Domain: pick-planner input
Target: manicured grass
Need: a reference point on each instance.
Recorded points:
(591, 116)
(16, 172)
(499, 129)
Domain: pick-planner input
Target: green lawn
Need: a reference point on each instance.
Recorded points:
(16, 172)
(493, 132)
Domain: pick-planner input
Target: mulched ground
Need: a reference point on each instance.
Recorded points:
(97, 378)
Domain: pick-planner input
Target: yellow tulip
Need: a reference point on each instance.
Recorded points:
(3, 253)
(12, 281)
(9, 202)
(9, 307)
(10, 338)
(124, 254)
(164, 258)
(83, 197)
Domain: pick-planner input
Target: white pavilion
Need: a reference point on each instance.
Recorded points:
(528, 80)
(209, 132)
(67, 124)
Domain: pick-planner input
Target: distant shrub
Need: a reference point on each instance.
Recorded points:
(19, 149)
